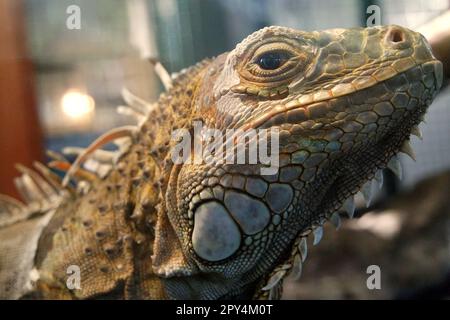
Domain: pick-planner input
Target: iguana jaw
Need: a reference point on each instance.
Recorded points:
(360, 166)
(334, 188)
(353, 171)
(358, 161)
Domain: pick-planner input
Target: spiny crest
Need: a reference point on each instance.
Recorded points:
(100, 161)
(41, 189)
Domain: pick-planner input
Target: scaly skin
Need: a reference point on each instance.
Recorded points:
(345, 102)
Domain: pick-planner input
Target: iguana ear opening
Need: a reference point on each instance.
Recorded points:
(168, 259)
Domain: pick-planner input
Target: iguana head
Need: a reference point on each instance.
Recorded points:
(343, 101)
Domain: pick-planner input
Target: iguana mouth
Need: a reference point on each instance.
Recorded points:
(346, 178)
(359, 168)
(349, 173)
(315, 105)
(355, 172)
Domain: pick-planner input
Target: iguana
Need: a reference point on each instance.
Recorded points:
(139, 226)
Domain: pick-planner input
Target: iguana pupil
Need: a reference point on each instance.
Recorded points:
(272, 60)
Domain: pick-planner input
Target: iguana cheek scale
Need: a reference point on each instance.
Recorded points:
(344, 102)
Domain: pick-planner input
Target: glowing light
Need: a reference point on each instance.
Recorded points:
(385, 225)
(77, 105)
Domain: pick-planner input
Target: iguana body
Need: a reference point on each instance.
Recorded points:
(344, 101)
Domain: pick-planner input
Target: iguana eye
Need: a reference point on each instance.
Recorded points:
(272, 60)
(273, 64)
(267, 66)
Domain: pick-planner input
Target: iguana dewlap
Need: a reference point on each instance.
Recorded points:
(139, 226)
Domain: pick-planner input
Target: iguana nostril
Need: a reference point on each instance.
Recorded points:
(395, 36)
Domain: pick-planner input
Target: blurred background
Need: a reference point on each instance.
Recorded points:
(60, 86)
